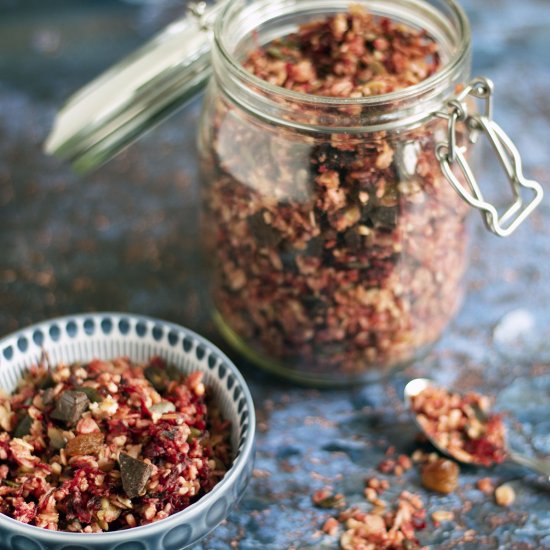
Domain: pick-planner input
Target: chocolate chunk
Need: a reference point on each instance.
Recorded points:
(354, 241)
(70, 406)
(134, 473)
(384, 217)
(265, 234)
(315, 247)
(23, 426)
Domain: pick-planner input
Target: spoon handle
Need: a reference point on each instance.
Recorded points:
(540, 466)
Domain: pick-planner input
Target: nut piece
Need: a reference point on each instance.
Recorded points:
(134, 473)
(70, 406)
(505, 495)
(85, 444)
(440, 476)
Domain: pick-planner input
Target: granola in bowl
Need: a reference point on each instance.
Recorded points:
(108, 445)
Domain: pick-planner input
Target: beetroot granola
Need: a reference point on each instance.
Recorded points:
(461, 425)
(334, 255)
(108, 445)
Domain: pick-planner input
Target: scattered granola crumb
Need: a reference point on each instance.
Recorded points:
(440, 476)
(485, 485)
(404, 462)
(331, 526)
(325, 498)
(260, 474)
(387, 466)
(439, 516)
(505, 495)
(380, 528)
(418, 456)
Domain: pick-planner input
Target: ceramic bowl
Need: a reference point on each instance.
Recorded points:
(108, 335)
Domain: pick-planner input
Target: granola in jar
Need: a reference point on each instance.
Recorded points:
(335, 255)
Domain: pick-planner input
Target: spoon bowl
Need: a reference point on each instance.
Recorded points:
(418, 385)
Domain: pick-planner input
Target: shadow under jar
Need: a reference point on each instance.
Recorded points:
(336, 245)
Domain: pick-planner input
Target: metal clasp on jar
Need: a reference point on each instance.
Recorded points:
(450, 154)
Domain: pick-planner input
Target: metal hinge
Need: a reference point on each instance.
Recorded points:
(450, 154)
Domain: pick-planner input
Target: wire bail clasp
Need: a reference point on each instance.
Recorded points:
(449, 153)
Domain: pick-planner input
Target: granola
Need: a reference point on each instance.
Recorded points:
(462, 425)
(334, 256)
(100, 453)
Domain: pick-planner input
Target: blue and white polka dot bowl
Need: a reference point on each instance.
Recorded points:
(108, 335)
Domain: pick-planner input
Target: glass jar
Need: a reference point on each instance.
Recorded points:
(334, 228)
(337, 246)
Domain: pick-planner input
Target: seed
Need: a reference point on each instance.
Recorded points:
(57, 440)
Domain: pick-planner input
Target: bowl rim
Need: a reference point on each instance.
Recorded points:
(195, 509)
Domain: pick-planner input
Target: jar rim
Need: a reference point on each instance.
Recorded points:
(438, 77)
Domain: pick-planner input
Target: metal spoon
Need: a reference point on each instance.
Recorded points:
(416, 386)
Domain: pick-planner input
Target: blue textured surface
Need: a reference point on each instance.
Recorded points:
(125, 238)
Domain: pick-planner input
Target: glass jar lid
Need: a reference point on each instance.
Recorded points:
(135, 94)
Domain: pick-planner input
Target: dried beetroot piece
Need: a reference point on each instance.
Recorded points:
(440, 476)
(85, 444)
(134, 473)
(70, 406)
